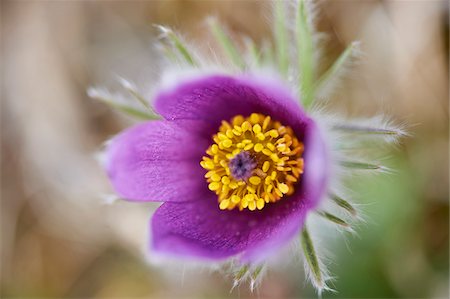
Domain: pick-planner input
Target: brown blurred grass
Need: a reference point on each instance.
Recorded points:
(59, 240)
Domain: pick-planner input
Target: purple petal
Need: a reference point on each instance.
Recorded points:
(200, 228)
(219, 97)
(158, 161)
(316, 168)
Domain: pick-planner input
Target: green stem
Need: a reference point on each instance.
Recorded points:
(281, 44)
(305, 49)
(343, 204)
(311, 257)
(336, 67)
(226, 44)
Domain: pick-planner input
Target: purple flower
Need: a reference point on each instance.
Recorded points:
(236, 161)
(214, 185)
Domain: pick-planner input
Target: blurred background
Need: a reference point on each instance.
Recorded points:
(61, 239)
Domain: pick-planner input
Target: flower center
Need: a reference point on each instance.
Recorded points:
(252, 162)
(242, 166)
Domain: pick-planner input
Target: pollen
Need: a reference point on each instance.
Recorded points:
(254, 161)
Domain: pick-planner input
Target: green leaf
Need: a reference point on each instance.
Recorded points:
(311, 259)
(267, 55)
(225, 42)
(337, 66)
(178, 44)
(130, 88)
(241, 273)
(305, 48)
(332, 218)
(257, 271)
(362, 165)
(281, 37)
(128, 109)
(254, 276)
(252, 51)
(369, 130)
(343, 204)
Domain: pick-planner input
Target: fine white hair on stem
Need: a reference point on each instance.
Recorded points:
(379, 126)
(314, 261)
(124, 103)
(338, 70)
(180, 47)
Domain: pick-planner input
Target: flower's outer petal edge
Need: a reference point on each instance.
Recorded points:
(213, 98)
(158, 161)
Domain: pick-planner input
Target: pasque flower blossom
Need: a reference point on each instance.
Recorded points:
(239, 156)
(265, 161)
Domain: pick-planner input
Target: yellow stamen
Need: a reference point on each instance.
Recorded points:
(277, 156)
(255, 180)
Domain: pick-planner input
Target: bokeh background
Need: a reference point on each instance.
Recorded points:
(61, 239)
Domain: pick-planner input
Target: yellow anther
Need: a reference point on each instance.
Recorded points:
(274, 158)
(227, 143)
(273, 133)
(283, 188)
(233, 185)
(224, 204)
(209, 164)
(254, 118)
(238, 120)
(225, 190)
(260, 136)
(225, 180)
(214, 186)
(251, 189)
(278, 192)
(260, 203)
(215, 177)
(258, 147)
(249, 197)
(281, 147)
(252, 205)
(291, 178)
(282, 130)
(222, 136)
(235, 199)
(246, 126)
(226, 125)
(267, 152)
(244, 203)
(248, 147)
(255, 180)
(275, 169)
(270, 146)
(257, 128)
(214, 149)
(266, 122)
